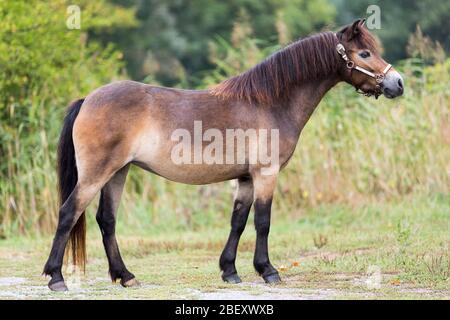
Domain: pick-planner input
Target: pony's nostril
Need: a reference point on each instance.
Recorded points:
(388, 93)
(400, 84)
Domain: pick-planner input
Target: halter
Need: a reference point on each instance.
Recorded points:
(351, 65)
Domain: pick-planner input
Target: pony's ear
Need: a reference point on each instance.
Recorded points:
(356, 27)
(349, 32)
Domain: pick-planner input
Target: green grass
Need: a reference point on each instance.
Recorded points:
(334, 246)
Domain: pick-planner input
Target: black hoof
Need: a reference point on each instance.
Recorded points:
(58, 286)
(232, 278)
(273, 278)
(130, 283)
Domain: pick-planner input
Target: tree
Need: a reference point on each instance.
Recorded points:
(171, 42)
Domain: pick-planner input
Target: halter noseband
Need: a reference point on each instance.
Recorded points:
(351, 65)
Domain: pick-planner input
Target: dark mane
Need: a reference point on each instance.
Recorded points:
(273, 78)
(306, 59)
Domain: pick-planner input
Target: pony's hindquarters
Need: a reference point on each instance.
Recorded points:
(87, 159)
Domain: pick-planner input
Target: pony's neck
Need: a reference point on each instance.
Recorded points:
(305, 98)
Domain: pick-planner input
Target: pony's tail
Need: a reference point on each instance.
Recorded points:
(67, 180)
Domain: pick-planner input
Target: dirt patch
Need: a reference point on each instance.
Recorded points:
(343, 286)
(11, 281)
(425, 292)
(262, 292)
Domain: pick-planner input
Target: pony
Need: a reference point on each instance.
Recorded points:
(129, 123)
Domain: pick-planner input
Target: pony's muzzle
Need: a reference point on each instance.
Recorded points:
(392, 85)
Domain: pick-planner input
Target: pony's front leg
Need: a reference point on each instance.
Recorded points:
(264, 186)
(242, 204)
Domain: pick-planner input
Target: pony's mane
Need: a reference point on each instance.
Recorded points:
(273, 79)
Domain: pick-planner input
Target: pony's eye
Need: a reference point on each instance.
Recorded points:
(364, 54)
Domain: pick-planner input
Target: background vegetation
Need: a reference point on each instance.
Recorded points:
(354, 151)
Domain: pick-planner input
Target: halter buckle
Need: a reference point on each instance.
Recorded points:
(379, 78)
(341, 50)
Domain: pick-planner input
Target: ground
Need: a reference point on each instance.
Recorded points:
(394, 250)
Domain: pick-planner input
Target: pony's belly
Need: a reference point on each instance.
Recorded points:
(194, 173)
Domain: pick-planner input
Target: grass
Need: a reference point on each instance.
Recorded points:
(328, 252)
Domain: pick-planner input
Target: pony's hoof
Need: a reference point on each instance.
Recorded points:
(232, 278)
(273, 278)
(58, 286)
(130, 283)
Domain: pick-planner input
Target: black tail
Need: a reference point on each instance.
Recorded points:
(67, 178)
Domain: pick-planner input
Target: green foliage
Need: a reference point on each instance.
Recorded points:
(38, 49)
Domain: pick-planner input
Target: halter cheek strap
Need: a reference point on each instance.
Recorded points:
(351, 65)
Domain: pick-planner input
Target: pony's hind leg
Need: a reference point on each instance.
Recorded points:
(68, 217)
(242, 204)
(90, 181)
(69, 214)
(106, 219)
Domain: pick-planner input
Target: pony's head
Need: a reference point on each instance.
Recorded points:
(363, 67)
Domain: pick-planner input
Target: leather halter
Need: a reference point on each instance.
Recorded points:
(351, 65)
